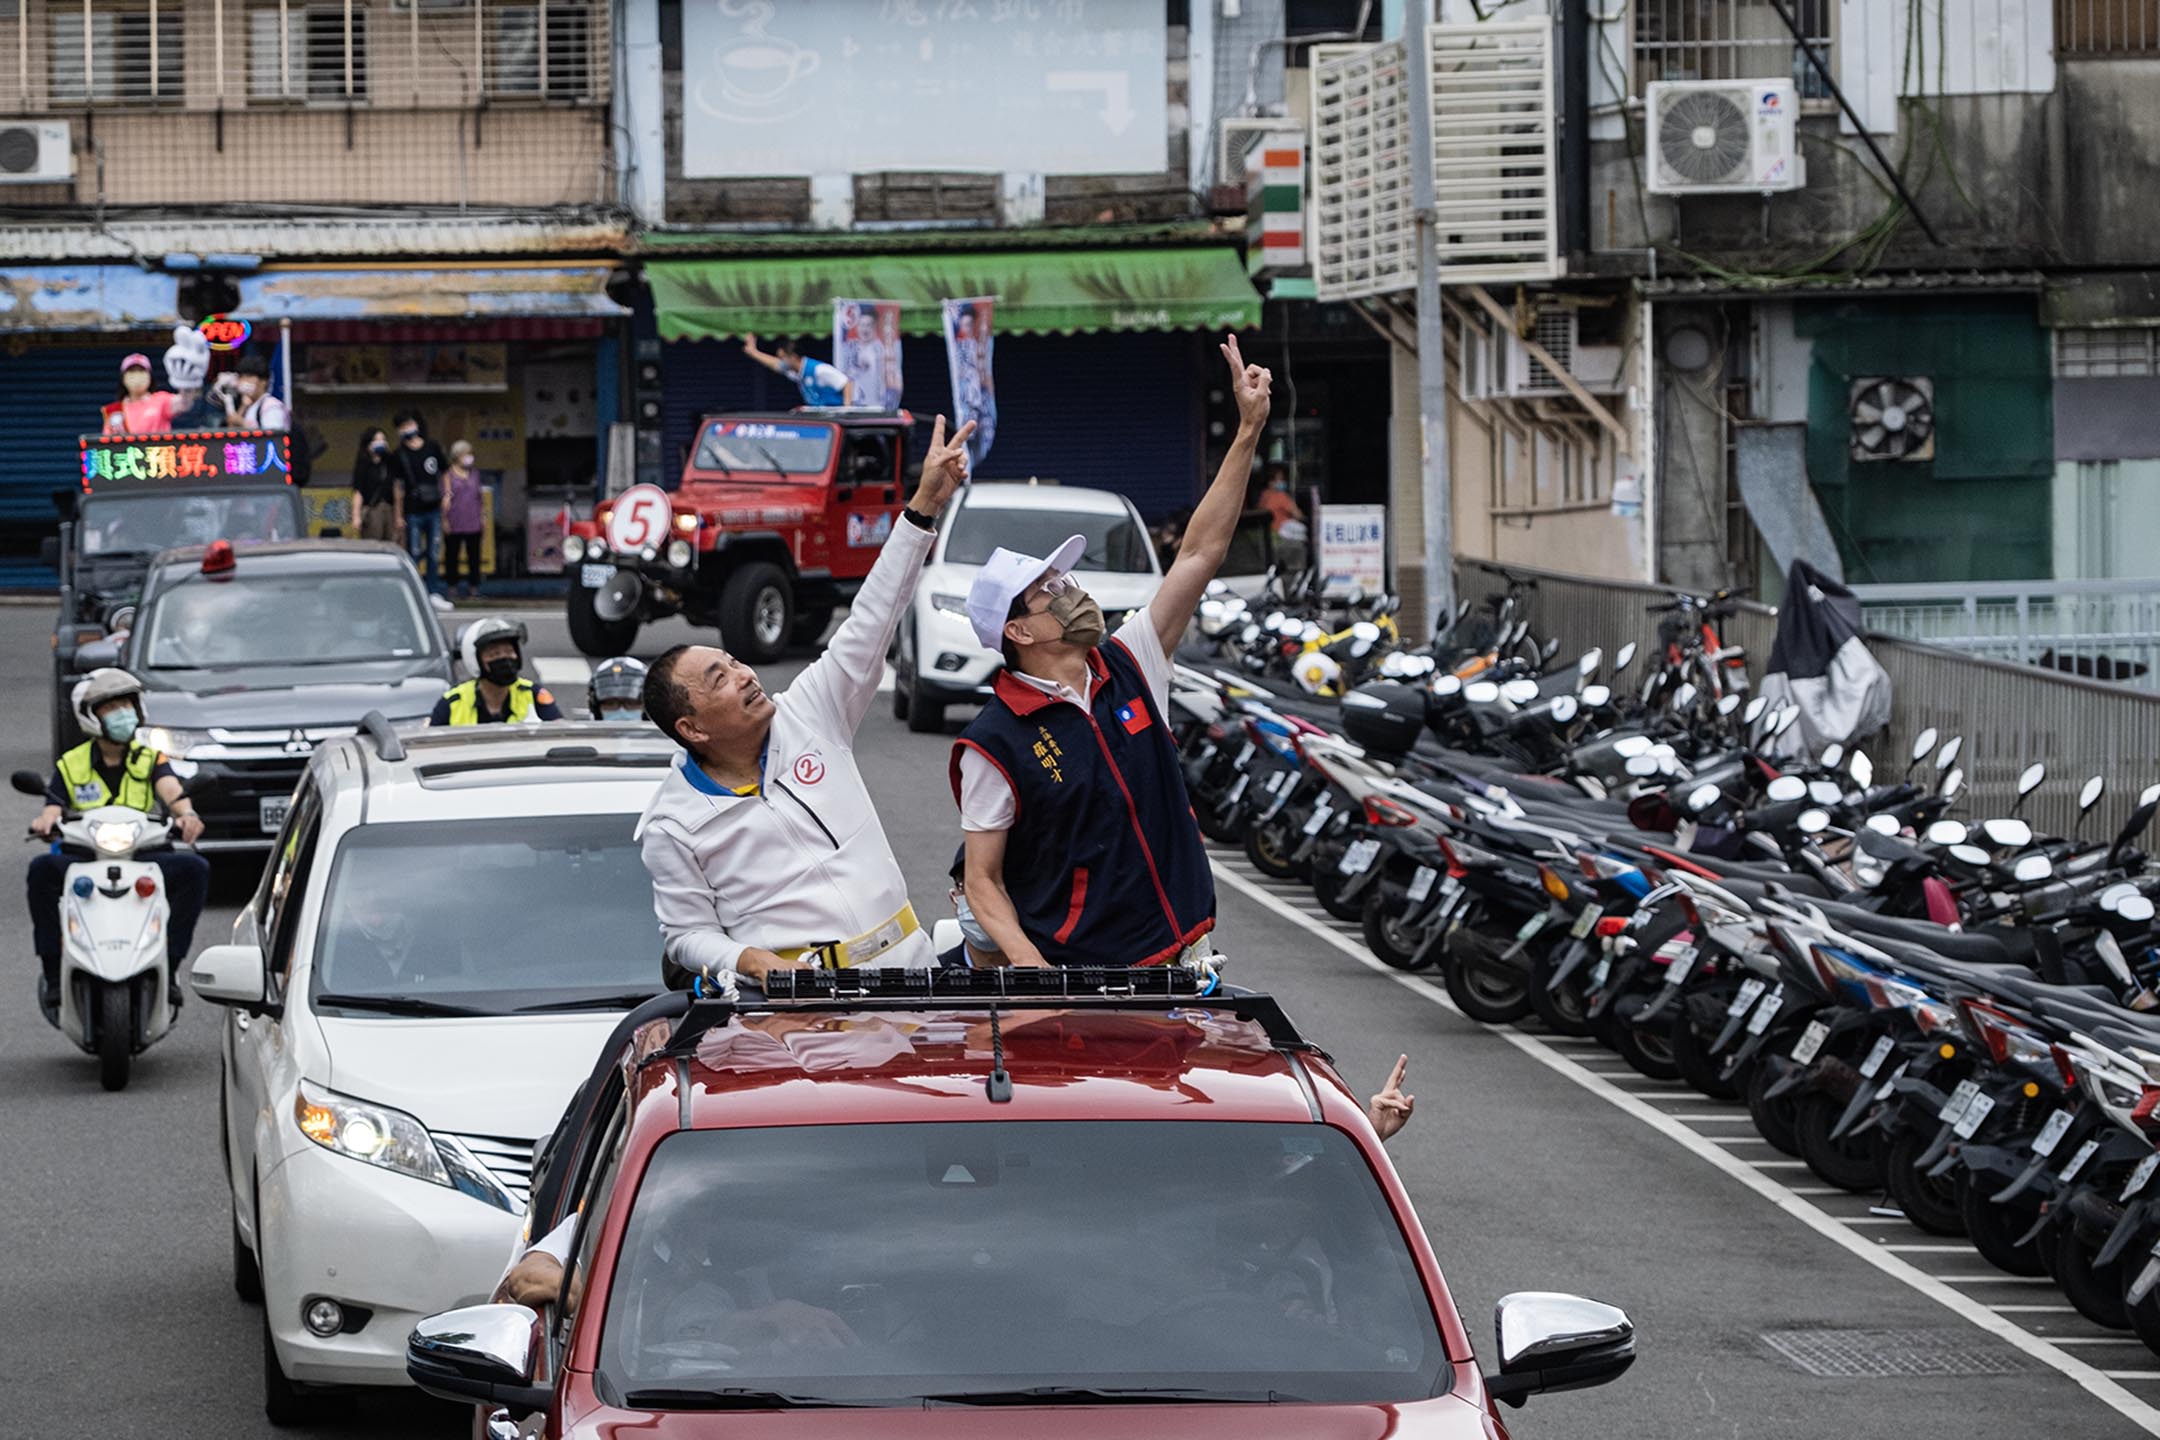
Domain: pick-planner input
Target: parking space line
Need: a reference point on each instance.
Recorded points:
(2047, 1350)
(1927, 1249)
(2034, 1309)
(1996, 1279)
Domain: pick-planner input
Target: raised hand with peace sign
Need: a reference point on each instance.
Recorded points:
(944, 468)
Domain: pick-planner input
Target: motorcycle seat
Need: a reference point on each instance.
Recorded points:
(1979, 948)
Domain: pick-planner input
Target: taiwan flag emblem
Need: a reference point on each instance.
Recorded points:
(1134, 717)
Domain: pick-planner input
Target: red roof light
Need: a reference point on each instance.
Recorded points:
(217, 558)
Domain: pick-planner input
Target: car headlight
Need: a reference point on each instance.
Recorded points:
(573, 549)
(113, 839)
(173, 742)
(596, 549)
(372, 1134)
(950, 604)
(678, 554)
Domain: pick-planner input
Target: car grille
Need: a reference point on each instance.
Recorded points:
(509, 1161)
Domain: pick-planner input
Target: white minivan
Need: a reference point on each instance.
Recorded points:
(449, 926)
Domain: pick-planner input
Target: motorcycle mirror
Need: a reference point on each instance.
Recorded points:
(28, 782)
(1519, 692)
(1728, 704)
(1549, 649)
(2089, 793)
(2133, 827)
(1883, 824)
(1447, 685)
(2137, 909)
(1702, 797)
(2112, 897)
(1310, 631)
(1946, 832)
(1787, 788)
(1813, 822)
(2007, 833)
(1755, 707)
(1971, 855)
(1832, 753)
(1367, 631)
(1586, 664)
(1627, 747)
(1596, 695)
(1623, 657)
(1824, 792)
(1218, 587)
(1861, 769)
(1952, 783)
(1563, 709)
(1785, 719)
(1922, 743)
(1359, 649)
(1274, 619)
(1642, 765)
(2029, 778)
(1684, 696)
(2032, 868)
(1235, 607)
(1462, 608)
(1481, 692)
(1947, 756)
(1663, 751)
(2149, 794)
(1249, 634)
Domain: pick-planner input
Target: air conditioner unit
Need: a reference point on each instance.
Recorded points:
(1240, 138)
(35, 152)
(1710, 137)
(1554, 326)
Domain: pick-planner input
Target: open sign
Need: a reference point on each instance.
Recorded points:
(225, 333)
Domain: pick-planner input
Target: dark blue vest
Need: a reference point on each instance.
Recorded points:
(1104, 864)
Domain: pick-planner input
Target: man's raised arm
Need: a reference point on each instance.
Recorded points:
(1214, 520)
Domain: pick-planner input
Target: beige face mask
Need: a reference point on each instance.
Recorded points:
(1081, 618)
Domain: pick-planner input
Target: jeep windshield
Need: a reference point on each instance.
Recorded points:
(1114, 543)
(763, 448)
(292, 618)
(1013, 1262)
(487, 917)
(146, 524)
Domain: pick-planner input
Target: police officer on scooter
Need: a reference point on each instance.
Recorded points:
(112, 767)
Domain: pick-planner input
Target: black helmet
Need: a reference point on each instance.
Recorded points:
(619, 679)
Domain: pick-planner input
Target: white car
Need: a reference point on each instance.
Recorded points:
(937, 661)
(451, 923)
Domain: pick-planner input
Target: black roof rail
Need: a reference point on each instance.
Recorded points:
(377, 727)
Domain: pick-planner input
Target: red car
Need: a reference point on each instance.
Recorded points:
(1137, 1215)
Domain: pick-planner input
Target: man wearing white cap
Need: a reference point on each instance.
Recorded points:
(1080, 842)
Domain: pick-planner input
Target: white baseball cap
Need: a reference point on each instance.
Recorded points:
(1002, 579)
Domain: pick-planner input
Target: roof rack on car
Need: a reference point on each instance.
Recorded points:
(1153, 988)
(377, 727)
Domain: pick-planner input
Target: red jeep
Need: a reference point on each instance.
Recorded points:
(925, 1210)
(776, 520)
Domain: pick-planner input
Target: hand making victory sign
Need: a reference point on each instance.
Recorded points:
(944, 468)
(1390, 1110)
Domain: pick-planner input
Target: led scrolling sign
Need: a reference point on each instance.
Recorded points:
(123, 461)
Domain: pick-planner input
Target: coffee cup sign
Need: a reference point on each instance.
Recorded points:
(756, 68)
(225, 333)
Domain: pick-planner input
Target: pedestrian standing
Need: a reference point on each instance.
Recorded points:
(462, 521)
(374, 490)
(1080, 840)
(418, 467)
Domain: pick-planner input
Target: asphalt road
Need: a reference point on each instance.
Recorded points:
(117, 1317)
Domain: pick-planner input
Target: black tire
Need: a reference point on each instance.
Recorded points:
(1929, 1202)
(1647, 1049)
(1700, 1068)
(1564, 1009)
(924, 716)
(1327, 886)
(1853, 1162)
(115, 1036)
(593, 636)
(246, 1274)
(1222, 829)
(1775, 1119)
(809, 626)
(1480, 989)
(2144, 1316)
(757, 611)
(2096, 1290)
(1269, 845)
(284, 1402)
(1994, 1230)
(1387, 936)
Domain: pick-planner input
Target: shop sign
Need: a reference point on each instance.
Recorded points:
(197, 456)
(1353, 549)
(224, 332)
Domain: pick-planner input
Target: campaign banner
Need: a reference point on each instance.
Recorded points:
(866, 348)
(967, 353)
(1353, 550)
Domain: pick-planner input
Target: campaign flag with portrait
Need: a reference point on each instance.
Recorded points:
(866, 348)
(967, 352)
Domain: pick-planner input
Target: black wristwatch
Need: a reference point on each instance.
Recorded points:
(922, 521)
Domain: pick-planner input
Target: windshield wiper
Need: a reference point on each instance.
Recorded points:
(397, 1005)
(731, 1397)
(1107, 1395)
(624, 1000)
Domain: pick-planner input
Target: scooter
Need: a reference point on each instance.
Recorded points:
(115, 985)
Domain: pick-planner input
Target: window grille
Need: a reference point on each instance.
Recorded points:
(1731, 40)
(2123, 29)
(2101, 352)
(110, 54)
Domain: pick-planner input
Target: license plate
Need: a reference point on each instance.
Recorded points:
(1767, 1011)
(1960, 1101)
(1975, 1115)
(1750, 991)
(1534, 924)
(2051, 1134)
(1811, 1040)
(1876, 1056)
(1422, 882)
(1317, 820)
(2139, 1176)
(1599, 971)
(2078, 1157)
(1680, 965)
(592, 577)
(272, 811)
(1359, 857)
(1237, 789)
(1587, 921)
(1244, 754)
(1449, 889)
(1276, 781)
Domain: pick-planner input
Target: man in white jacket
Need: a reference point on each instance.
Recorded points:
(764, 848)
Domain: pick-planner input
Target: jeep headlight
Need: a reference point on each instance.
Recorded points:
(679, 553)
(372, 1134)
(573, 549)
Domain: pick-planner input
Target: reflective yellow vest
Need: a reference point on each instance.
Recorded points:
(86, 788)
(465, 702)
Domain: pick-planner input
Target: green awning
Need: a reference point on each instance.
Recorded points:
(1038, 292)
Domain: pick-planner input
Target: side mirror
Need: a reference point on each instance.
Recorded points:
(1586, 664)
(2031, 869)
(1551, 1341)
(1971, 855)
(2007, 834)
(2029, 778)
(1785, 719)
(1519, 692)
(1813, 822)
(1755, 707)
(1832, 754)
(1702, 797)
(1447, 685)
(27, 782)
(1922, 743)
(1627, 747)
(1728, 704)
(1862, 769)
(1787, 788)
(482, 1353)
(1946, 832)
(1641, 766)
(230, 975)
(1596, 695)
(1684, 696)
(98, 654)
(1549, 649)
(1563, 709)
(1952, 783)
(1824, 792)
(1882, 824)
(1481, 692)
(1947, 756)
(2137, 909)
(2089, 794)
(2133, 827)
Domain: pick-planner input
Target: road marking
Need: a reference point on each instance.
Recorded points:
(1737, 1140)
(562, 672)
(1719, 1118)
(2132, 1374)
(1873, 1220)
(1928, 1249)
(2034, 1309)
(2048, 1351)
(1996, 1279)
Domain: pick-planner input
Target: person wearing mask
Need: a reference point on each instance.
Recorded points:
(250, 405)
(374, 493)
(820, 383)
(1291, 530)
(493, 650)
(139, 410)
(764, 847)
(417, 464)
(463, 520)
(617, 689)
(113, 767)
(1080, 840)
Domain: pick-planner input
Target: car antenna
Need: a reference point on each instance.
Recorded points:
(999, 1086)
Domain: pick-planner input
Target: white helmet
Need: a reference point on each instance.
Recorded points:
(485, 631)
(1317, 673)
(98, 688)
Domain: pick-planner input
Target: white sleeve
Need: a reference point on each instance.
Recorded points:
(687, 909)
(557, 1241)
(1140, 638)
(986, 796)
(836, 690)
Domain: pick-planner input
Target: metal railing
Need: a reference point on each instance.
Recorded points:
(1729, 40)
(2099, 629)
(2107, 27)
(2009, 714)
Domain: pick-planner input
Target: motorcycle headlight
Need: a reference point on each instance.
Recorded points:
(573, 549)
(678, 554)
(113, 839)
(950, 604)
(372, 1134)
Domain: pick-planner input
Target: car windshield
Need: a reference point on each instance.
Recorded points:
(761, 447)
(146, 524)
(491, 915)
(1246, 1261)
(1114, 542)
(319, 618)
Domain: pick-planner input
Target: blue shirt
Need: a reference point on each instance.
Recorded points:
(820, 383)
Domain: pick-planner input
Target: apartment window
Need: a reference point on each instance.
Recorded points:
(2125, 29)
(304, 52)
(543, 50)
(107, 54)
(1731, 40)
(2100, 352)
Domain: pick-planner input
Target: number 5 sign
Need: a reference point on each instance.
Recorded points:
(640, 518)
